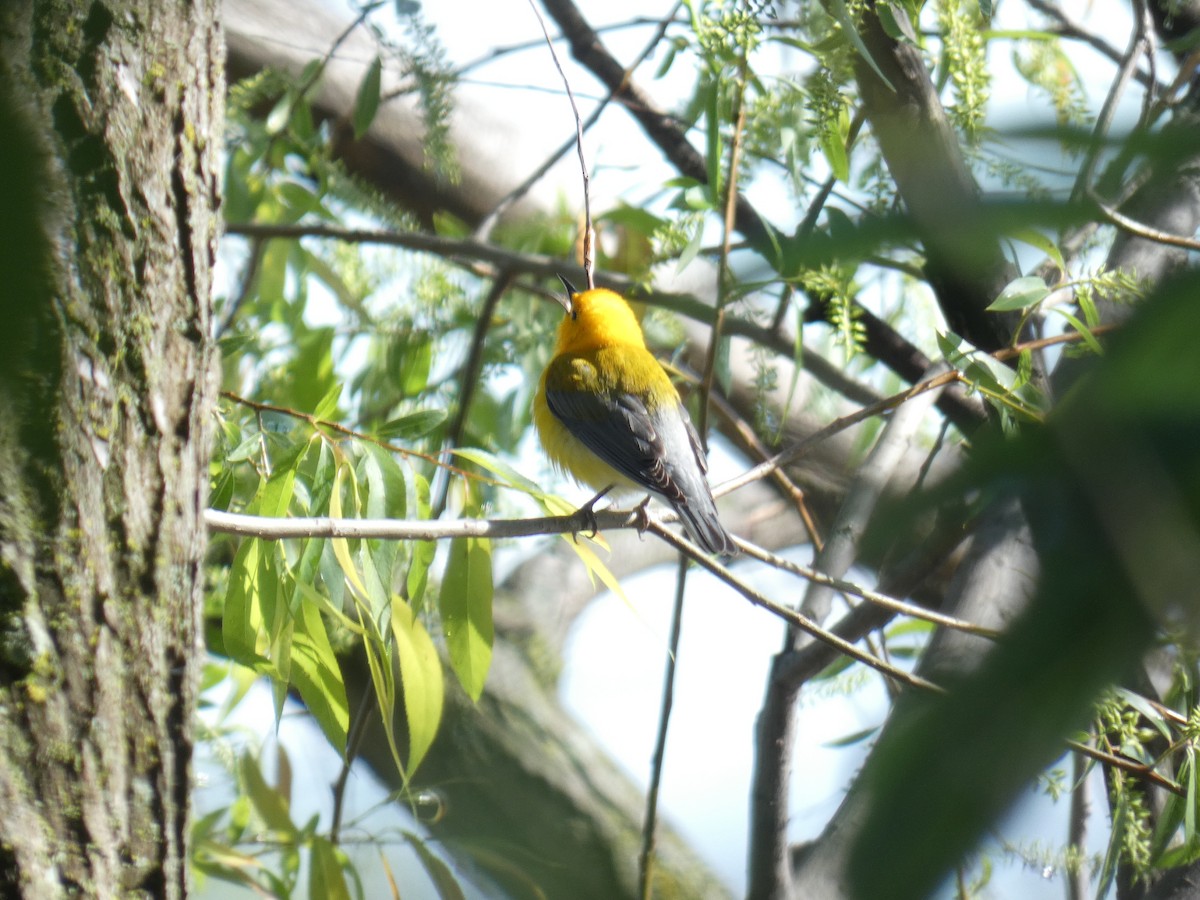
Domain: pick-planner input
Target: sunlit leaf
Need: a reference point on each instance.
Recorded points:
(465, 604)
(412, 426)
(242, 616)
(318, 677)
(325, 876)
(420, 680)
(1020, 293)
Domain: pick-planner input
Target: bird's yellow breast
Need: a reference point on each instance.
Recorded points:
(600, 351)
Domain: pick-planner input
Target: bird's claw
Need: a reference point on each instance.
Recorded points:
(587, 513)
(641, 517)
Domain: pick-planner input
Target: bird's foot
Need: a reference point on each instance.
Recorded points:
(641, 517)
(587, 512)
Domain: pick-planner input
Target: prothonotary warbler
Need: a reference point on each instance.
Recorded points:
(609, 416)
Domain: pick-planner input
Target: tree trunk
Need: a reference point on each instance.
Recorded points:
(112, 124)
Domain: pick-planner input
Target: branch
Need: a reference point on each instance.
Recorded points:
(646, 858)
(273, 528)
(1138, 229)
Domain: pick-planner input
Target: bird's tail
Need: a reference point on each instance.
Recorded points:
(702, 525)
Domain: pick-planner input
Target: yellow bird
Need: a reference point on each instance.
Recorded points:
(608, 415)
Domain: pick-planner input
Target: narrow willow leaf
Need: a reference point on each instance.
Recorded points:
(383, 680)
(842, 14)
(1035, 238)
(597, 569)
(833, 148)
(423, 553)
(341, 547)
(439, 873)
(692, 249)
(1084, 331)
(270, 805)
(412, 426)
(318, 677)
(366, 104)
(420, 681)
(493, 465)
(242, 615)
(325, 876)
(712, 132)
(387, 498)
(328, 404)
(466, 609)
(411, 363)
(1020, 294)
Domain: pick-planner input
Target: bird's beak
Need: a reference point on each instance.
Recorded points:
(567, 302)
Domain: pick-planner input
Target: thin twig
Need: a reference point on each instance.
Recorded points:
(791, 616)
(1139, 229)
(802, 447)
(358, 728)
(1126, 764)
(855, 590)
(490, 220)
(1128, 65)
(646, 859)
(728, 224)
(247, 283)
(752, 443)
(1070, 29)
(589, 264)
(468, 382)
(1078, 886)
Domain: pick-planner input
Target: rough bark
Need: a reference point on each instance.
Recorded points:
(114, 116)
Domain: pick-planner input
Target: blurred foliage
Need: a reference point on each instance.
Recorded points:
(1110, 482)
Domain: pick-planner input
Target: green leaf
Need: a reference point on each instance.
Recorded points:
(318, 677)
(1084, 331)
(271, 806)
(366, 104)
(326, 409)
(279, 115)
(850, 740)
(410, 361)
(842, 14)
(414, 425)
(695, 242)
(493, 465)
(1035, 238)
(422, 552)
(833, 147)
(896, 23)
(712, 132)
(325, 876)
(1020, 293)
(439, 873)
(241, 617)
(466, 608)
(420, 680)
